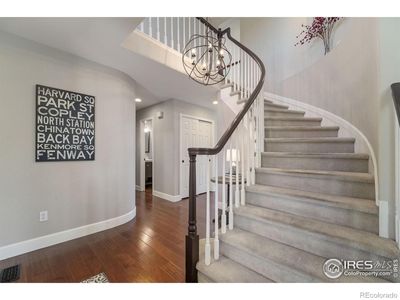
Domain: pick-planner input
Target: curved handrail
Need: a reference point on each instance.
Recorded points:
(192, 238)
(235, 123)
(396, 98)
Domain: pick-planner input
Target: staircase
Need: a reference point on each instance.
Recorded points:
(299, 196)
(313, 199)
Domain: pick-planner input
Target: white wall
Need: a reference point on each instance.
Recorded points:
(389, 72)
(352, 81)
(74, 193)
(273, 39)
(166, 158)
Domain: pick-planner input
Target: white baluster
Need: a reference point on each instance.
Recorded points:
(172, 32)
(179, 44)
(231, 66)
(248, 76)
(207, 246)
(150, 28)
(237, 69)
(230, 187)
(158, 29)
(223, 217)
(253, 152)
(251, 144)
(248, 174)
(142, 25)
(257, 132)
(243, 192)
(216, 240)
(262, 125)
(237, 193)
(184, 32)
(241, 75)
(233, 69)
(165, 31)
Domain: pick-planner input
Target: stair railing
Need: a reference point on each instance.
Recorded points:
(237, 153)
(240, 145)
(396, 100)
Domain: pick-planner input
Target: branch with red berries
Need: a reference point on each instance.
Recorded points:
(320, 28)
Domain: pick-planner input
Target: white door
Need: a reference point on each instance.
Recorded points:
(204, 140)
(194, 133)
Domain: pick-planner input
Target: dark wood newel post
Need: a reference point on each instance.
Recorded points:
(192, 238)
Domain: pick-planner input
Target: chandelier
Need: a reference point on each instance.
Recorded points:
(206, 59)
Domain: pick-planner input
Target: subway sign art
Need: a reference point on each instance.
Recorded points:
(65, 125)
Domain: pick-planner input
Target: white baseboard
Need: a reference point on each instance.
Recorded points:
(63, 236)
(398, 231)
(383, 219)
(139, 188)
(168, 197)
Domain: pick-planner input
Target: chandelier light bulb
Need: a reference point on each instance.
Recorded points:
(193, 52)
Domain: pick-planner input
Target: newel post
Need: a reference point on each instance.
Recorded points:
(192, 238)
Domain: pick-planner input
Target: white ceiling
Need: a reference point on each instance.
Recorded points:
(99, 40)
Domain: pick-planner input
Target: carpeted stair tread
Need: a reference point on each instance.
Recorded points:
(280, 110)
(362, 205)
(291, 259)
(337, 175)
(317, 155)
(302, 128)
(229, 271)
(273, 105)
(310, 140)
(340, 234)
(292, 118)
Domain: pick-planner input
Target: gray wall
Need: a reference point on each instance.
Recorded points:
(389, 72)
(74, 193)
(352, 81)
(166, 141)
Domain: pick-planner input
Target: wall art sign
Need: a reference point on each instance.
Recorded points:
(65, 125)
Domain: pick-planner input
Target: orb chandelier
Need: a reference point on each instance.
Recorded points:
(206, 59)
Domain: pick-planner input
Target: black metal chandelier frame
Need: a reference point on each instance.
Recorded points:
(206, 59)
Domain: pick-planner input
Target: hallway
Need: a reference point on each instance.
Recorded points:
(150, 248)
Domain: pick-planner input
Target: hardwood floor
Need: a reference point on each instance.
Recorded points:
(150, 248)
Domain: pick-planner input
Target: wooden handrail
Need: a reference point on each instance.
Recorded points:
(192, 238)
(396, 98)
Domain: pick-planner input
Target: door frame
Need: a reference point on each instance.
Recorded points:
(213, 134)
(142, 179)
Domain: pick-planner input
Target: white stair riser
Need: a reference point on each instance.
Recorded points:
(268, 268)
(309, 163)
(283, 114)
(322, 245)
(276, 133)
(335, 215)
(322, 147)
(300, 122)
(318, 184)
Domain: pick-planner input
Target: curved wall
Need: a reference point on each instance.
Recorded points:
(345, 81)
(352, 82)
(75, 194)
